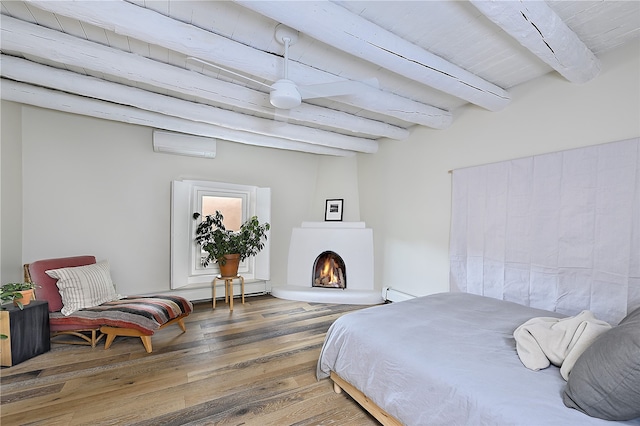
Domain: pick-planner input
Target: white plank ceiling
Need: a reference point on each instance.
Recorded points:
(138, 62)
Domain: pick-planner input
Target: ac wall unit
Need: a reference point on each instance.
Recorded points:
(183, 144)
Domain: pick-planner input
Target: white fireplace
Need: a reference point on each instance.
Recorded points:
(352, 242)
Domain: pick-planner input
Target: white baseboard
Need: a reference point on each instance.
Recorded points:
(392, 295)
(206, 292)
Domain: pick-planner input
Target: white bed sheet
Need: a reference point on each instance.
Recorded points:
(447, 359)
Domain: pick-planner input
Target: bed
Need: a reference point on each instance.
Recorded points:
(446, 359)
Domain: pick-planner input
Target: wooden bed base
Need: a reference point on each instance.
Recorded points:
(382, 416)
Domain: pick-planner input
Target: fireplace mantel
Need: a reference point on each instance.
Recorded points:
(333, 225)
(353, 241)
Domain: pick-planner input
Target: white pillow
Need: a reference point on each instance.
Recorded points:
(84, 286)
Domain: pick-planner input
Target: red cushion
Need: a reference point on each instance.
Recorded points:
(47, 288)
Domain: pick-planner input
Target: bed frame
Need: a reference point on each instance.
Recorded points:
(339, 384)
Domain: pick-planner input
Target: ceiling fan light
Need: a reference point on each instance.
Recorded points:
(285, 95)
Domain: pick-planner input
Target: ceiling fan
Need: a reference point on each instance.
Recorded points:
(285, 93)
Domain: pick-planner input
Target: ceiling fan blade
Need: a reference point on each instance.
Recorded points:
(325, 90)
(191, 58)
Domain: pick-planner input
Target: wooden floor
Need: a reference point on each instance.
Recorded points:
(255, 366)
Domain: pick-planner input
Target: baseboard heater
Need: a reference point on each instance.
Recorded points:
(392, 295)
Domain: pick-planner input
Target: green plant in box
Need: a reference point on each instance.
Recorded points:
(13, 292)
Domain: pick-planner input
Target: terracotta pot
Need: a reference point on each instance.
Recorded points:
(27, 295)
(230, 268)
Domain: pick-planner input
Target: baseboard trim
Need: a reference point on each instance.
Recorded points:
(206, 292)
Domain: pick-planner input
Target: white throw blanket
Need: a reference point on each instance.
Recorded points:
(559, 341)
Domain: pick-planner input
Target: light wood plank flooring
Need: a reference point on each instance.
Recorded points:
(255, 366)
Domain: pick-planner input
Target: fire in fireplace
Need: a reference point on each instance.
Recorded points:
(329, 271)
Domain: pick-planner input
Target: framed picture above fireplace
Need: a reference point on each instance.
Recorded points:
(333, 209)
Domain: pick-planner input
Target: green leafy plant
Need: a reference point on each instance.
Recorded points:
(12, 291)
(218, 241)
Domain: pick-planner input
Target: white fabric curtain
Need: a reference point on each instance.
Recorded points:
(558, 231)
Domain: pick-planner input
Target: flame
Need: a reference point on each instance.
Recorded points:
(329, 270)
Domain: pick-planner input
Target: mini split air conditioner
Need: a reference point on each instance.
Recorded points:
(183, 144)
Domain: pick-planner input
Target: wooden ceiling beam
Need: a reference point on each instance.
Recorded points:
(337, 27)
(51, 99)
(538, 28)
(30, 39)
(154, 28)
(91, 87)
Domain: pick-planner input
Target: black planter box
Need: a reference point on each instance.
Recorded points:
(28, 332)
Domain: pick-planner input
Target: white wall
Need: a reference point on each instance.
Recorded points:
(90, 186)
(336, 178)
(10, 194)
(405, 189)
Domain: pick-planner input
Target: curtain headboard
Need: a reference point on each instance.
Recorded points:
(558, 231)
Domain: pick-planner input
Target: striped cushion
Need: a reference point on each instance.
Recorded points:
(84, 286)
(146, 314)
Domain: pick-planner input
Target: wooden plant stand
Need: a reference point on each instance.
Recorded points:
(228, 289)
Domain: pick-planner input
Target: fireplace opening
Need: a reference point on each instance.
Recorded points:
(329, 271)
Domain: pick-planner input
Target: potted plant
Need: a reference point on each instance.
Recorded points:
(18, 293)
(226, 247)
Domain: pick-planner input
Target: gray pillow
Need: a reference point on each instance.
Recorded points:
(605, 380)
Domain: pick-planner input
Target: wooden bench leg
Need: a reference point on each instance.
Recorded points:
(112, 332)
(182, 325)
(109, 340)
(146, 341)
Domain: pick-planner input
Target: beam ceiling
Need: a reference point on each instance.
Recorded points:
(129, 61)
